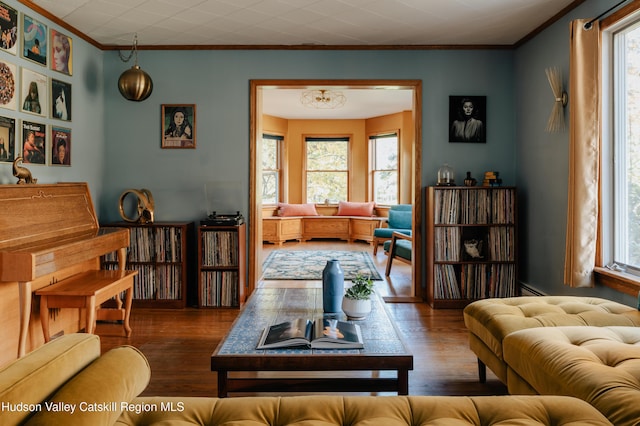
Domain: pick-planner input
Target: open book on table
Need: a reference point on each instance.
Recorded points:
(320, 334)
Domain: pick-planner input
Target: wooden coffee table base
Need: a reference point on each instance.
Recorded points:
(242, 368)
(228, 384)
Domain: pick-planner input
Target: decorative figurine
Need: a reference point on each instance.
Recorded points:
(469, 181)
(22, 173)
(473, 248)
(145, 206)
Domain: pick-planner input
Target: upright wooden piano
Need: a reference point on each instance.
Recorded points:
(48, 233)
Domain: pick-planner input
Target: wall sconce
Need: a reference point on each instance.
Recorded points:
(134, 84)
(556, 119)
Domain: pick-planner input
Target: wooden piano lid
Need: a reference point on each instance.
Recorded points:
(36, 213)
(49, 226)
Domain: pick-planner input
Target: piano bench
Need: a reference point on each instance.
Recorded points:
(88, 290)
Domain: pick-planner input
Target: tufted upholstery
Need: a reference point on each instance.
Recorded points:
(489, 321)
(329, 410)
(600, 365)
(103, 391)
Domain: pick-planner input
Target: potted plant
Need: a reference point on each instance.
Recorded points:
(356, 303)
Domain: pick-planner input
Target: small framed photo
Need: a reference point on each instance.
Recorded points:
(60, 100)
(468, 119)
(7, 139)
(34, 40)
(8, 83)
(34, 92)
(8, 28)
(60, 146)
(178, 126)
(34, 142)
(61, 52)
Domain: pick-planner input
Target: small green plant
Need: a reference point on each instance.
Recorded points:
(361, 289)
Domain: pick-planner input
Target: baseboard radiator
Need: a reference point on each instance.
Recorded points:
(527, 290)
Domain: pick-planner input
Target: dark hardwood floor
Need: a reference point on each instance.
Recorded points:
(179, 343)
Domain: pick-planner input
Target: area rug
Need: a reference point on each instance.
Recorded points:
(308, 264)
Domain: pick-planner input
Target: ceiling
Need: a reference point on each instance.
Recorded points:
(305, 22)
(308, 24)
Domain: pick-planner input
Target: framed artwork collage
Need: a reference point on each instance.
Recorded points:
(36, 93)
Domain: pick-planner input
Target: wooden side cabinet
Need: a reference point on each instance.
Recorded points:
(471, 244)
(158, 251)
(221, 266)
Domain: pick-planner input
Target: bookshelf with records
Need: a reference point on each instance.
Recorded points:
(158, 251)
(471, 244)
(221, 266)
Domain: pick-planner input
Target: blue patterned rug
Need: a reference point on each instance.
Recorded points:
(308, 264)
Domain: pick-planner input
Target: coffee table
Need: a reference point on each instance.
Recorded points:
(383, 350)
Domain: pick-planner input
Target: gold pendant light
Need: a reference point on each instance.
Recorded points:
(134, 84)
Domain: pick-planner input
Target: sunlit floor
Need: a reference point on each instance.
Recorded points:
(396, 285)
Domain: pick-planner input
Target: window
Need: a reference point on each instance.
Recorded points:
(327, 169)
(621, 151)
(271, 168)
(384, 168)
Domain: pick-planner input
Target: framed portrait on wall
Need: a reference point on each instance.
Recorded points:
(178, 126)
(60, 100)
(468, 119)
(34, 40)
(34, 142)
(61, 52)
(60, 146)
(33, 87)
(8, 29)
(8, 82)
(7, 139)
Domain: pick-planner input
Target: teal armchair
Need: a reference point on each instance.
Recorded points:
(399, 248)
(400, 220)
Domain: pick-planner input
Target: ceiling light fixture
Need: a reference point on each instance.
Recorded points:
(134, 84)
(323, 99)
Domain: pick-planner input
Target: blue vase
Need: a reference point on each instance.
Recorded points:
(332, 287)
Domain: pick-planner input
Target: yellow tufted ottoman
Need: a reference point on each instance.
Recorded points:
(600, 365)
(489, 321)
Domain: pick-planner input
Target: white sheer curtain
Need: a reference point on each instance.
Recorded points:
(584, 155)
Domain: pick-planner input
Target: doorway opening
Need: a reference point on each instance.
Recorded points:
(257, 90)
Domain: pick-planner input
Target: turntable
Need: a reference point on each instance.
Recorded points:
(215, 219)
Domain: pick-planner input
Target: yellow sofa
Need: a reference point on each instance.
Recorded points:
(489, 321)
(600, 365)
(67, 382)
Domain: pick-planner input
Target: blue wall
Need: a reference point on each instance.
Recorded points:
(218, 83)
(543, 159)
(116, 143)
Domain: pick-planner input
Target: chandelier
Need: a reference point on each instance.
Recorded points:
(134, 84)
(322, 99)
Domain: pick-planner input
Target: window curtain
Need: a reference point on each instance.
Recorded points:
(584, 155)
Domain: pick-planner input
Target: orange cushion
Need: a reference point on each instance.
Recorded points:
(286, 209)
(350, 208)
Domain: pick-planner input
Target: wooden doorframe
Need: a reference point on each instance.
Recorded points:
(255, 204)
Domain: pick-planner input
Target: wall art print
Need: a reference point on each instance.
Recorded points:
(468, 119)
(8, 29)
(60, 146)
(34, 143)
(34, 92)
(34, 40)
(178, 126)
(7, 139)
(60, 100)
(8, 83)
(61, 52)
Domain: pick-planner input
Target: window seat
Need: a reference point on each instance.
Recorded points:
(278, 229)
